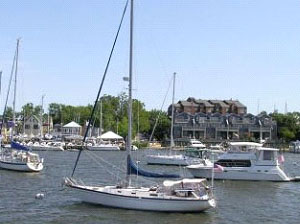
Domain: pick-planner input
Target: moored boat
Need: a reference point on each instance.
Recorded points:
(103, 147)
(189, 157)
(244, 161)
(18, 158)
(187, 195)
(46, 146)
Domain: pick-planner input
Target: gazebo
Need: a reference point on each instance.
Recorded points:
(71, 128)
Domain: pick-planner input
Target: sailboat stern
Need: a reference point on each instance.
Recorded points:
(35, 167)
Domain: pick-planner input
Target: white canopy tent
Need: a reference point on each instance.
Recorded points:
(110, 136)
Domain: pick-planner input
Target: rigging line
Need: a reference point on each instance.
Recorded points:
(104, 161)
(97, 162)
(101, 85)
(156, 121)
(9, 85)
(121, 171)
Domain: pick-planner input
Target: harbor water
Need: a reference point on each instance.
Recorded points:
(237, 201)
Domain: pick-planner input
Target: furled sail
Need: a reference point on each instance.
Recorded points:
(18, 146)
(133, 169)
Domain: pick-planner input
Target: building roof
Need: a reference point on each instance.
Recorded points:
(33, 116)
(222, 104)
(176, 105)
(186, 103)
(72, 124)
(237, 103)
(205, 102)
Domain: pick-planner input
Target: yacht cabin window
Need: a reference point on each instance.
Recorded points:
(268, 155)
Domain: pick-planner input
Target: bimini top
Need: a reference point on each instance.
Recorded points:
(253, 144)
(267, 149)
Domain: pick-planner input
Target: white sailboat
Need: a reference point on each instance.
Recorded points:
(101, 145)
(18, 157)
(244, 161)
(171, 158)
(194, 143)
(187, 195)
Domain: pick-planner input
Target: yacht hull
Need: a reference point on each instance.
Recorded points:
(119, 200)
(262, 173)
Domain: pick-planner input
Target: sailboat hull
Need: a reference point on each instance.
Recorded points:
(104, 148)
(175, 160)
(127, 199)
(25, 167)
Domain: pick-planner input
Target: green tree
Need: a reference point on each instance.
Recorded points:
(8, 113)
(27, 109)
(123, 127)
(287, 134)
(55, 112)
(288, 125)
(162, 130)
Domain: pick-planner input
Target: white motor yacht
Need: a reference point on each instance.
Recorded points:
(194, 143)
(244, 161)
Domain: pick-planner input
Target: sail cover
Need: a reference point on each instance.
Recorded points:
(17, 146)
(133, 169)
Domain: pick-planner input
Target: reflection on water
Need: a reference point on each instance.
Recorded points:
(238, 201)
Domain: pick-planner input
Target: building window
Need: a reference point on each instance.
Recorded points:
(35, 126)
(27, 126)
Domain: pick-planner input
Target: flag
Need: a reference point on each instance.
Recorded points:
(218, 168)
(281, 158)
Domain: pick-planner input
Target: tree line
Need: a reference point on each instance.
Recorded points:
(114, 110)
(115, 117)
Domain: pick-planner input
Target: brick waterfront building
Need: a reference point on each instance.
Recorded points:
(219, 120)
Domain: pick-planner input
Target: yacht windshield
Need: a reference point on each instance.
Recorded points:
(268, 155)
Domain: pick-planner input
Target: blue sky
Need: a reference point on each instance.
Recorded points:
(245, 50)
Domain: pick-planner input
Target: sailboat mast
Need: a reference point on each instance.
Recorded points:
(100, 125)
(129, 136)
(15, 89)
(0, 83)
(172, 119)
(41, 117)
